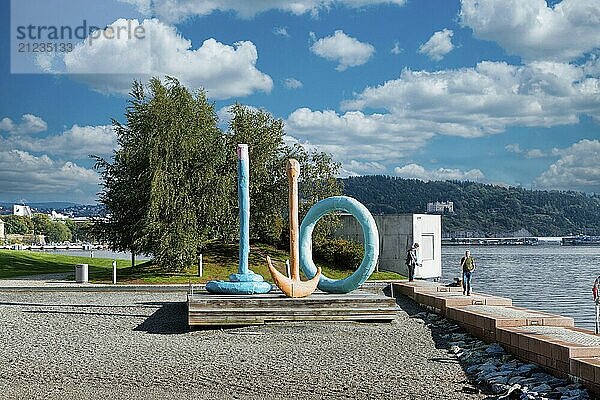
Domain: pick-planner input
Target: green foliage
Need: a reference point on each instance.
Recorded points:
(54, 231)
(480, 208)
(319, 182)
(57, 232)
(172, 188)
(186, 149)
(268, 182)
(268, 179)
(41, 223)
(164, 189)
(18, 225)
(82, 232)
(127, 180)
(338, 253)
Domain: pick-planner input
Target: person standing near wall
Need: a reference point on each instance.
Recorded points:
(412, 261)
(468, 266)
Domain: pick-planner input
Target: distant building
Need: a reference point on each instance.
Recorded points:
(440, 207)
(22, 211)
(1, 230)
(58, 216)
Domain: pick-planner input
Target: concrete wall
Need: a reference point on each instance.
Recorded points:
(396, 234)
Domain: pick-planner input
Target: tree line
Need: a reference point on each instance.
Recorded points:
(171, 187)
(482, 208)
(42, 224)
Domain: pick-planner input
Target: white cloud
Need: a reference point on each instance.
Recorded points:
(43, 167)
(22, 173)
(577, 169)
(357, 168)
(472, 102)
(225, 116)
(528, 153)
(387, 123)
(396, 49)
(78, 142)
(292, 83)
(438, 45)
(513, 148)
(415, 171)
(356, 136)
(280, 31)
(143, 6)
(345, 50)
(535, 153)
(29, 124)
(175, 10)
(533, 29)
(110, 65)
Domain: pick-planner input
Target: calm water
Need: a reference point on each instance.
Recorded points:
(551, 278)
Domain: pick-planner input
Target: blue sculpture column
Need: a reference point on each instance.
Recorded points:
(245, 281)
(244, 204)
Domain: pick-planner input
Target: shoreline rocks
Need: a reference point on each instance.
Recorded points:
(495, 371)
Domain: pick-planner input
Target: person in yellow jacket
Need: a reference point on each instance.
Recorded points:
(468, 266)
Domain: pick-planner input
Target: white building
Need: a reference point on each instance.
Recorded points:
(440, 207)
(58, 216)
(2, 230)
(22, 211)
(397, 233)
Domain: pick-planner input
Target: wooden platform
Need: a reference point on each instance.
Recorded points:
(206, 309)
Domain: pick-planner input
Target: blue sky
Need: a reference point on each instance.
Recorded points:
(497, 91)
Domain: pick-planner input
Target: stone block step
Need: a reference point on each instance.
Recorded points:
(550, 346)
(410, 289)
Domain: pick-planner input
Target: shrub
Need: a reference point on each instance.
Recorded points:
(338, 253)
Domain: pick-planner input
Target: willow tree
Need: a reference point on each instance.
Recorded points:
(165, 190)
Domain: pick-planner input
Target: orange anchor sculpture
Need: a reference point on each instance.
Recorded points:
(292, 286)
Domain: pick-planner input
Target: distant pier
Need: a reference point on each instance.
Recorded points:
(581, 240)
(508, 241)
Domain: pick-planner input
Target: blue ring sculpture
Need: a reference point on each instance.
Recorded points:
(371, 243)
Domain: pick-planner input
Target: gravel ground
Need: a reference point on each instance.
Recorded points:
(137, 346)
(37, 280)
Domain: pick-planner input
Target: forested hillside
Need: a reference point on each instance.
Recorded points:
(482, 209)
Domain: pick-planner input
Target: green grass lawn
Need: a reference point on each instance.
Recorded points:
(23, 263)
(220, 260)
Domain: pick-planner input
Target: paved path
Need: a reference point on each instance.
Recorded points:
(38, 280)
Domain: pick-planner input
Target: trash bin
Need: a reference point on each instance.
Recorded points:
(81, 273)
